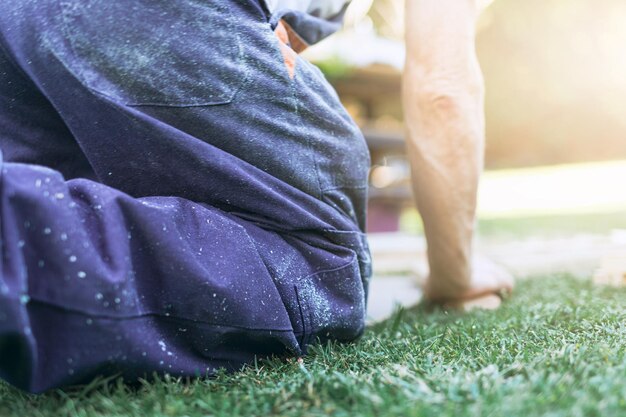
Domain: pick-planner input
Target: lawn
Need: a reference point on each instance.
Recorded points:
(543, 226)
(555, 349)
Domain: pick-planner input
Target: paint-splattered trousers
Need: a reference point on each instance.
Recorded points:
(179, 192)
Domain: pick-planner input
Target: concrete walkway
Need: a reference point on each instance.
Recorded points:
(400, 263)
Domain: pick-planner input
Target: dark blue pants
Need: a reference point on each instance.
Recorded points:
(173, 198)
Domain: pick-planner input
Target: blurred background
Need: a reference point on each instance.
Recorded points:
(555, 72)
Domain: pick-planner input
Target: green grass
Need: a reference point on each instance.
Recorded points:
(555, 349)
(552, 225)
(544, 226)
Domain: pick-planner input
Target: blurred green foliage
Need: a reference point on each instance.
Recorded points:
(334, 68)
